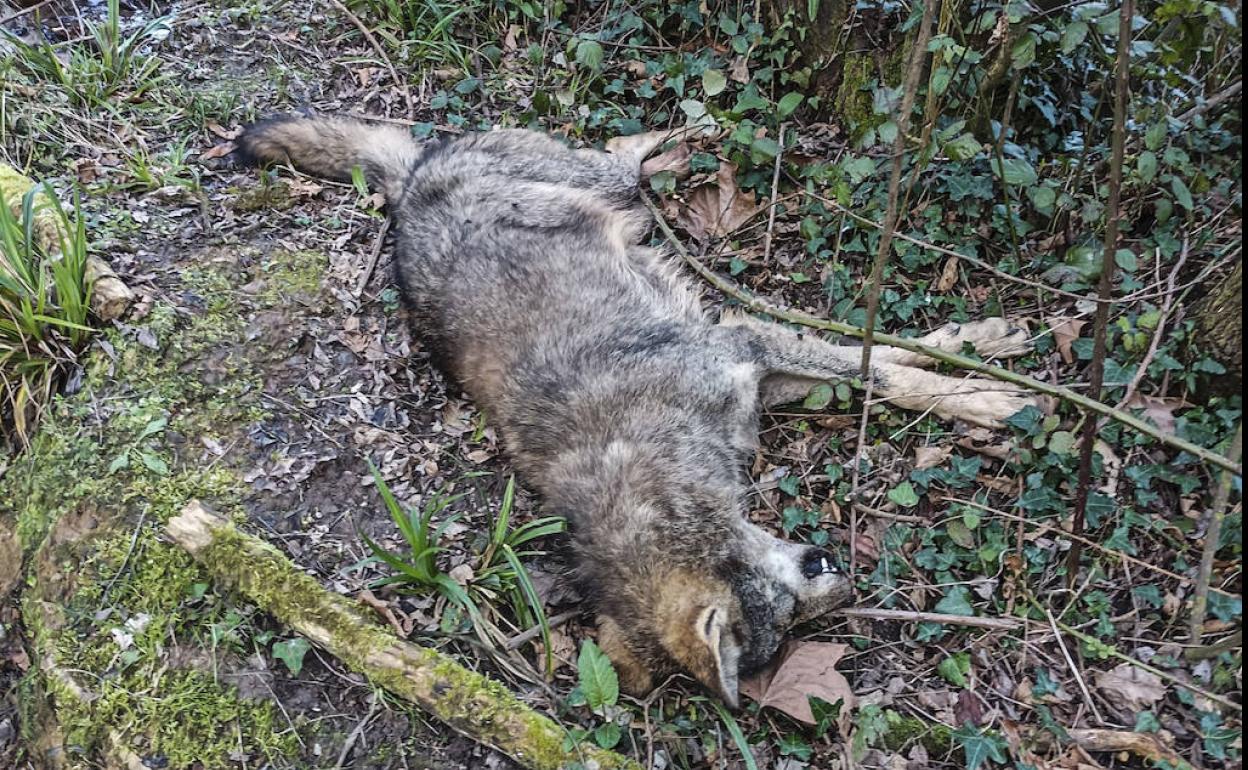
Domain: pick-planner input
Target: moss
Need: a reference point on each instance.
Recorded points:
(90, 530)
(273, 196)
(853, 98)
(903, 731)
(292, 275)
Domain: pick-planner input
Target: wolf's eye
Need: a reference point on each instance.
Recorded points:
(818, 562)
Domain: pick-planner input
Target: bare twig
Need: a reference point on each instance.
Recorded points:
(1213, 533)
(22, 12)
(349, 743)
(528, 635)
(999, 273)
(1074, 669)
(1043, 526)
(1166, 306)
(373, 257)
(917, 54)
(1214, 650)
(906, 616)
(1167, 676)
(760, 305)
(1112, 215)
(1226, 94)
(775, 186)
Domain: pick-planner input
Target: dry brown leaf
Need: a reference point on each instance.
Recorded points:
(675, 160)
(802, 670)
(1065, 332)
(218, 151)
(948, 276)
(717, 209)
(1134, 688)
(739, 70)
(930, 456)
(1159, 411)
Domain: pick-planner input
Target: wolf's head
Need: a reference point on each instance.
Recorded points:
(723, 619)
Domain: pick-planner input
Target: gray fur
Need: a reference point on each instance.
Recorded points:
(621, 402)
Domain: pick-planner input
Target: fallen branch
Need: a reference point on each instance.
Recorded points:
(1143, 745)
(1213, 533)
(907, 616)
(470, 703)
(759, 305)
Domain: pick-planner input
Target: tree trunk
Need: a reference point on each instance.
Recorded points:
(1219, 317)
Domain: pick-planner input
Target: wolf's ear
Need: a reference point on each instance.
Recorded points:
(714, 630)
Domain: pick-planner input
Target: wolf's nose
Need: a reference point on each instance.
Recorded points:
(818, 562)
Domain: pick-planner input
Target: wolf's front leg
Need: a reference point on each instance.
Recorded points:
(794, 362)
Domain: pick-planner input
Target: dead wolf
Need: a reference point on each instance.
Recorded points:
(621, 402)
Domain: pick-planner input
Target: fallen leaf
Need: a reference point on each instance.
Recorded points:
(1134, 688)
(930, 456)
(948, 276)
(1065, 332)
(1159, 411)
(218, 151)
(802, 670)
(739, 70)
(717, 209)
(675, 160)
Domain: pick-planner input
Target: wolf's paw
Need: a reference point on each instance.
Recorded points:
(987, 403)
(991, 338)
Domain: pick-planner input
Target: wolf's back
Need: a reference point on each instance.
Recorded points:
(331, 148)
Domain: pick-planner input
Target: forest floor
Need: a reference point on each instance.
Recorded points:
(267, 362)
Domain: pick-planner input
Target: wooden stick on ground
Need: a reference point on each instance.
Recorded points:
(907, 616)
(472, 704)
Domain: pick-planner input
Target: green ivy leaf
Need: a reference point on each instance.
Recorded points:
(904, 495)
(1146, 165)
(956, 602)
(1024, 51)
(1125, 259)
(1073, 35)
(819, 397)
(589, 53)
(599, 682)
(887, 132)
(1015, 172)
(1155, 135)
(963, 147)
(979, 746)
(607, 735)
(788, 103)
(1181, 193)
(291, 652)
(713, 82)
(954, 669)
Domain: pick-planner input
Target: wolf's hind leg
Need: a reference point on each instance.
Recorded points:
(793, 363)
(991, 338)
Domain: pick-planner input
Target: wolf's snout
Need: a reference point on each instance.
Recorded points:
(818, 562)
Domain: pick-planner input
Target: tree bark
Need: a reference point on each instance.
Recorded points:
(1219, 317)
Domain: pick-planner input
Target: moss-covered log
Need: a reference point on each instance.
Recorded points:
(472, 704)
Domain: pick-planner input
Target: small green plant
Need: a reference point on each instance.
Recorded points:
(44, 300)
(112, 63)
(498, 576)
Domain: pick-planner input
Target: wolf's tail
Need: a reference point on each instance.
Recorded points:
(331, 148)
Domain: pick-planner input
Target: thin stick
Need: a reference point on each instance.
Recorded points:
(1106, 287)
(385, 58)
(1166, 306)
(1044, 526)
(874, 282)
(1214, 101)
(760, 305)
(372, 259)
(1083, 687)
(356, 733)
(1213, 534)
(775, 185)
(528, 635)
(20, 13)
(906, 616)
(951, 253)
(1171, 678)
